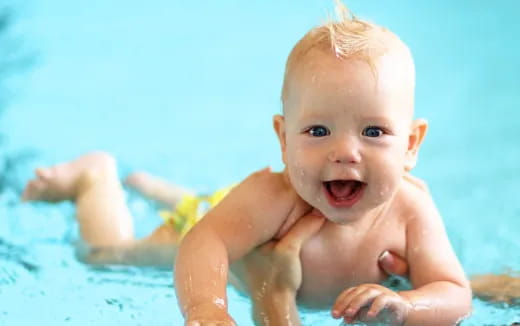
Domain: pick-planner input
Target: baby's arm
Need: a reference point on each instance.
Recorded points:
(441, 295)
(274, 274)
(250, 214)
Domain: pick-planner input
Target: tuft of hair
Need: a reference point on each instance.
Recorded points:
(352, 37)
(347, 37)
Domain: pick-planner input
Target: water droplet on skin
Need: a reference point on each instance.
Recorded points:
(222, 270)
(264, 287)
(265, 318)
(421, 306)
(258, 295)
(219, 302)
(189, 283)
(337, 52)
(288, 318)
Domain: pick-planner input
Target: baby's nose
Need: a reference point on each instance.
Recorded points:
(345, 150)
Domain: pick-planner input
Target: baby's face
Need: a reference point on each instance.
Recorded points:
(345, 133)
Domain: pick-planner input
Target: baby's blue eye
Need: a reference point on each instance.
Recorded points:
(373, 132)
(318, 131)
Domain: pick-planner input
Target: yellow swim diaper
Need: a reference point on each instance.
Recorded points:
(191, 209)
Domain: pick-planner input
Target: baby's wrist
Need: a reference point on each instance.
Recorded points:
(409, 297)
(409, 303)
(208, 311)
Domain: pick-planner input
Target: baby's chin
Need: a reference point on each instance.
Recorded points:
(341, 219)
(333, 214)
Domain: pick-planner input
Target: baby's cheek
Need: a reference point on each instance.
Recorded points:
(383, 189)
(389, 177)
(298, 170)
(302, 181)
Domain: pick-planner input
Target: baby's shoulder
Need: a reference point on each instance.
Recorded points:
(415, 200)
(267, 188)
(275, 194)
(265, 180)
(415, 182)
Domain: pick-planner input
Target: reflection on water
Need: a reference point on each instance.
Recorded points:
(15, 265)
(138, 277)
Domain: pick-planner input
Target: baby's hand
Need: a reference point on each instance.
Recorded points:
(371, 303)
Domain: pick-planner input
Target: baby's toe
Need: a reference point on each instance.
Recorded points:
(32, 190)
(43, 173)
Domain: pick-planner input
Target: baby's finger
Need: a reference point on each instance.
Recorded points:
(344, 300)
(346, 293)
(380, 303)
(363, 299)
(300, 232)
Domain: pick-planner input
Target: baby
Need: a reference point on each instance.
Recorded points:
(348, 143)
(345, 198)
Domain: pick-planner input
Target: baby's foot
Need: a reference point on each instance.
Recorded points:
(62, 181)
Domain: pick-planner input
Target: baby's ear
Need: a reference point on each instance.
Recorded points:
(279, 128)
(415, 139)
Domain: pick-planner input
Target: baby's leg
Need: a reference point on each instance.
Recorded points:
(163, 192)
(158, 250)
(106, 225)
(497, 287)
(91, 181)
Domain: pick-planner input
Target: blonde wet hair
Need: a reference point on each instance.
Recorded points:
(347, 37)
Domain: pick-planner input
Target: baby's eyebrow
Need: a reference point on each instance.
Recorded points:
(383, 121)
(314, 117)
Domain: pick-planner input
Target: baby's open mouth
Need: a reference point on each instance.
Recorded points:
(343, 193)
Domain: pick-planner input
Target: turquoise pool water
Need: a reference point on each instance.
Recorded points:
(187, 90)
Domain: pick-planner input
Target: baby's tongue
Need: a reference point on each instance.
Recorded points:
(342, 188)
